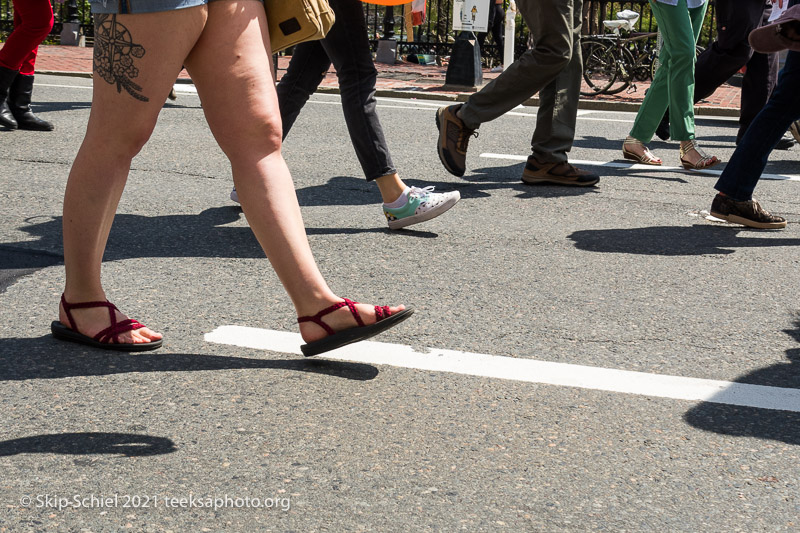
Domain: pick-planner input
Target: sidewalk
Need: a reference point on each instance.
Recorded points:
(409, 80)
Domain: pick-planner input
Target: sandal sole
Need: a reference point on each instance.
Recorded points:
(349, 336)
(689, 166)
(640, 159)
(62, 332)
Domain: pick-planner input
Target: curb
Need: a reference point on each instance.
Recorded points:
(584, 104)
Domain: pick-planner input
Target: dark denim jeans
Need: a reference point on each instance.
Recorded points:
(743, 171)
(347, 47)
(731, 51)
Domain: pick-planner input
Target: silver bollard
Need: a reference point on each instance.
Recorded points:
(511, 22)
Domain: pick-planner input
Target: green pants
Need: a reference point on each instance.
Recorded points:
(673, 84)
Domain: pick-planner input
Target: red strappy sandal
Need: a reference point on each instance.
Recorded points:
(108, 339)
(384, 320)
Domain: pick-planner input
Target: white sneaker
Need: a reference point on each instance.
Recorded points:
(234, 196)
(423, 204)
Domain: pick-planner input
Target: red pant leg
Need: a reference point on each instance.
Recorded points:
(33, 20)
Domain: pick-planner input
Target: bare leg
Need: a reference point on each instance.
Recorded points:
(391, 187)
(228, 67)
(129, 91)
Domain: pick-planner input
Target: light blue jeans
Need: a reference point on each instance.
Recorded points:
(123, 7)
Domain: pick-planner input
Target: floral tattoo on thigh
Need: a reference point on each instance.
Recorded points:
(114, 53)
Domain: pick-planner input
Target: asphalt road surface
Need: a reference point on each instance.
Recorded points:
(593, 359)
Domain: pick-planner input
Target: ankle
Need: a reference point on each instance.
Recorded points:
(391, 187)
(400, 201)
(80, 295)
(312, 305)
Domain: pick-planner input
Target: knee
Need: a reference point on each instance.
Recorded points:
(352, 76)
(118, 143)
(556, 56)
(260, 136)
(738, 52)
(683, 55)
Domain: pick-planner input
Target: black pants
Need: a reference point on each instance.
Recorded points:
(347, 47)
(731, 51)
(496, 18)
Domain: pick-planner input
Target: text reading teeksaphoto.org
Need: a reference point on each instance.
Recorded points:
(153, 501)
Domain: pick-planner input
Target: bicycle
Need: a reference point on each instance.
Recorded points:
(613, 62)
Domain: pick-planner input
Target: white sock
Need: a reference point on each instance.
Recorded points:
(401, 200)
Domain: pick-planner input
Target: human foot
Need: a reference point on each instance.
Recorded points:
(102, 325)
(635, 150)
(694, 158)
(418, 205)
(346, 322)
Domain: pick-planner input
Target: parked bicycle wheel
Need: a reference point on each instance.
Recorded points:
(599, 66)
(625, 69)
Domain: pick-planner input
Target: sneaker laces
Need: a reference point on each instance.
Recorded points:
(758, 210)
(463, 138)
(421, 192)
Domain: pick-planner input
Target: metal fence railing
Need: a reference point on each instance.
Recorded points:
(435, 36)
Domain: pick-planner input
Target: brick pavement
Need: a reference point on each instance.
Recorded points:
(408, 80)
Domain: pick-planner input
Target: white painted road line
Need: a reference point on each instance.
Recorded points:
(638, 166)
(526, 370)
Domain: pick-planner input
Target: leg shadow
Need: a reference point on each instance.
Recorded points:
(738, 421)
(47, 358)
(126, 444)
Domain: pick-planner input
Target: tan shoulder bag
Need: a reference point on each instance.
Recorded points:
(292, 22)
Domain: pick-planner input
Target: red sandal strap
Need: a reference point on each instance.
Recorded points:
(317, 319)
(68, 307)
(113, 331)
(381, 312)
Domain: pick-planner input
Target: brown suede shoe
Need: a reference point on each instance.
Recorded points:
(453, 140)
(749, 213)
(557, 173)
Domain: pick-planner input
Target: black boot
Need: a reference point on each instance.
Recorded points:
(6, 78)
(19, 100)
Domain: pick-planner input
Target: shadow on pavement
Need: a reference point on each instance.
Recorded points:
(48, 107)
(47, 358)
(128, 444)
(783, 426)
(349, 190)
(203, 235)
(482, 181)
(674, 240)
(15, 263)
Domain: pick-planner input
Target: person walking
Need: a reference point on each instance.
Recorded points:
(727, 55)
(497, 17)
(679, 22)
(554, 69)
(346, 46)
(734, 202)
(140, 46)
(33, 20)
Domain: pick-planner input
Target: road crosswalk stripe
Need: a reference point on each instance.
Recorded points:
(638, 166)
(525, 370)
